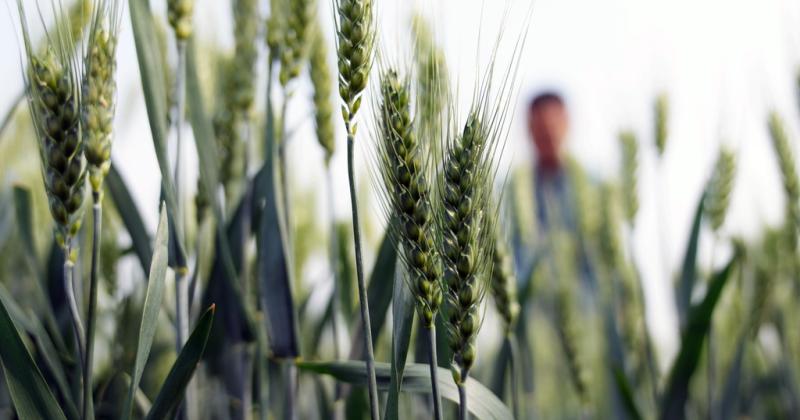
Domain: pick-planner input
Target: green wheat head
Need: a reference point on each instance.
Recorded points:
(52, 83)
(99, 91)
(355, 49)
(320, 74)
(719, 188)
(403, 169)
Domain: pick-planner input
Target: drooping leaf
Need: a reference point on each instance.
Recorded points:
(692, 339)
(170, 395)
(625, 391)
(483, 404)
(403, 321)
(131, 217)
(274, 262)
(151, 308)
(153, 85)
(689, 267)
(31, 396)
(45, 347)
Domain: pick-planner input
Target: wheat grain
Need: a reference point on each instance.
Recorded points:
(179, 14)
(504, 284)
(295, 41)
(791, 184)
(630, 166)
(320, 74)
(718, 190)
(466, 248)
(661, 111)
(98, 102)
(355, 36)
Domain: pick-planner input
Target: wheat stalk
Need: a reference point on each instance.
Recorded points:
(408, 196)
(98, 104)
(355, 39)
(52, 84)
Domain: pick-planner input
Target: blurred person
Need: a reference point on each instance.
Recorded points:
(560, 185)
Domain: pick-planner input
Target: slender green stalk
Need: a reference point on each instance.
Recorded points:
(513, 362)
(181, 327)
(91, 320)
(434, 365)
(372, 383)
(332, 249)
(463, 411)
(72, 302)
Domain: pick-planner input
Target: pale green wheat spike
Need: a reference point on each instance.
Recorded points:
(320, 73)
(630, 167)
(718, 190)
(408, 195)
(504, 284)
(791, 184)
(355, 42)
(431, 74)
(275, 28)
(299, 16)
(618, 268)
(245, 35)
(661, 111)
(567, 325)
(52, 88)
(99, 91)
(466, 246)
(583, 196)
(179, 14)
(230, 149)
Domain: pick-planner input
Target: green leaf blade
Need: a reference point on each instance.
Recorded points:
(32, 398)
(152, 306)
(170, 395)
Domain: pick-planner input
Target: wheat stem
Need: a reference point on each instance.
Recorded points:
(513, 361)
(362, 287)
(434, 363)
(91, 320)
(333, 257)
(181, 309)
(72, 302)
(463, 412)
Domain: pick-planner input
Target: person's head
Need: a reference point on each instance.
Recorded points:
(548, 123)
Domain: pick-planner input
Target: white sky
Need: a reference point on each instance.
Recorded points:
(724, 64)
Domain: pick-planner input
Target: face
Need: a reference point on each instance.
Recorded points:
(547, 125)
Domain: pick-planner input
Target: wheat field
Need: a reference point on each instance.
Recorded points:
(235, 287)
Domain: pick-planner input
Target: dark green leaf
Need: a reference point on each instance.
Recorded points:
(155, 98)
(152, 306)
(403, 320)
(483, 404)
(689, 268)
(170, 395)
(625, 391)
(131, 217)
(24, 213)
(379, 294)
(29, 392)
(692, 339)
(274, 262)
